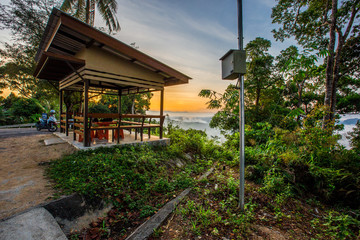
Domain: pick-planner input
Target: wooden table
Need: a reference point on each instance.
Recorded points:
(100, 134)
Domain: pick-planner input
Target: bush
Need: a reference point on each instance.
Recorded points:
(308, 159)
(354, 137)
(17, 110)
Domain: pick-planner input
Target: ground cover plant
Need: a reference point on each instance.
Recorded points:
(137, 181)
(211, 212)
(292, 177)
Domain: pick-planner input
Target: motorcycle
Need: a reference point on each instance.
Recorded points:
(45, 123)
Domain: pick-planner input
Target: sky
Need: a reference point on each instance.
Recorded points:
(190, 36)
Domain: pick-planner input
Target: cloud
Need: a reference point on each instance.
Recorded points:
(190, 43)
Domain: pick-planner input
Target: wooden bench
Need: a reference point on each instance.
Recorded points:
(125, 121)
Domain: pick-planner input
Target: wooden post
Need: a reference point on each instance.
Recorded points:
(149, 129)
(161, 113)
(86, 111)
(74, 128)
(119, 111)
(119, 102)
(66, 119)
(61, 107)
(142, 128)
(67, 123)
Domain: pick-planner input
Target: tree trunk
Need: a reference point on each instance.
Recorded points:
(87, 14)
(133, 106)
(330, 65)
(300, 89)
(258, 92)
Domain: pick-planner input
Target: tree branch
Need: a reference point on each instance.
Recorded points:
(325, 19)
(354, 11)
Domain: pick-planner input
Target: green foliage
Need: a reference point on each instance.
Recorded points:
(339, 226)
(98, 108)
(354, 137)
(81, 10)
(192, 141)
(26, 20)
(259, 69)
(147, 211)
(315, 26)
(134, 173)
(349, 103)
(303, 160)
(108, 173)
(15, 110)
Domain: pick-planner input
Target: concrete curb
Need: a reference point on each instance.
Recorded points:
(79, 146)
(32, 225)
(25, 125)
(147, 228)
(72, 212)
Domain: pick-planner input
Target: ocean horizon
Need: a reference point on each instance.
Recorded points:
(201, 121)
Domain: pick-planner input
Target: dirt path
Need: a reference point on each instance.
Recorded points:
(22, 181)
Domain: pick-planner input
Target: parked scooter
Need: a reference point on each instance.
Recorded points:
(45, 123)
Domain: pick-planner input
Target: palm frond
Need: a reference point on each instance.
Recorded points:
(107, 9)
(67, 5)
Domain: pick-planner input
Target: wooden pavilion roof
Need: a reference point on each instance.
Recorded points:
(71, 50)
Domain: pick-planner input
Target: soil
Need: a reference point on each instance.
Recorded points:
(22, 181)
(295, 223)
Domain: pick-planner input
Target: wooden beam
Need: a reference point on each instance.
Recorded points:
(72, 37)
(53, 35)
(161, 113)
(67, 123)
(62, 49)
(162, 81)
(86, 112)
(119, 102)
(90, 43)
(61, 106)
(122, 82)
(124, 78)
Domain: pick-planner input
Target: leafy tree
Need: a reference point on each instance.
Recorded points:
(354, 137)
(263, 94)
(136, 103)
(323, 26)
(259, 69)
(302, 77)
(26, 20)
(14, 109)
(81, 9)
(227, 119)
(349, 82)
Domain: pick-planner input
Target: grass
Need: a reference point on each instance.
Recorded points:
(211, 211)
(140, 180)
(136, 180)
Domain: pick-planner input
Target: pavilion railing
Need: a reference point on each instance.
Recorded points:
(116, 123)
(66, 122)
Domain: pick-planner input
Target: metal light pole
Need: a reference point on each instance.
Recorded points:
(233, 66)
(242, 113)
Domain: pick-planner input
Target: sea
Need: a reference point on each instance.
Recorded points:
(349, 121)
(194, 120)
(200, 121)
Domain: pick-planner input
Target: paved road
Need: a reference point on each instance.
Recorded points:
(19, 132)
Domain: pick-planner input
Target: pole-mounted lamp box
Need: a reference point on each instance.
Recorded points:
(233, 63)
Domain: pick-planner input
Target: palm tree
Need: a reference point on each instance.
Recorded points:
(85, 11)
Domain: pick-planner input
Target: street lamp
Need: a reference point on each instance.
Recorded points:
(233, 65)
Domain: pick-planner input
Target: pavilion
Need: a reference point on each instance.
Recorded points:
(79, 57)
